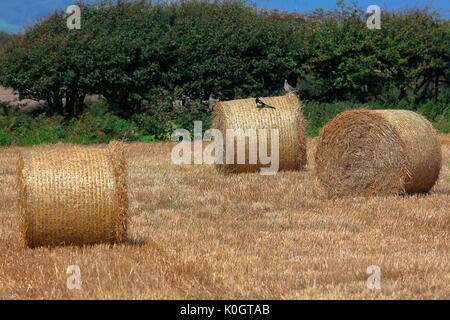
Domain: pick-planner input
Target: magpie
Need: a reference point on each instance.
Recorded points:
(261, 105)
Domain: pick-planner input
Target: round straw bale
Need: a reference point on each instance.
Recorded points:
(72, 195)
(377, 152)
(243, 114)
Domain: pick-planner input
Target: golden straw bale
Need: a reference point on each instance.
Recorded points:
(72, 195)
(378, 152)
(286, 117)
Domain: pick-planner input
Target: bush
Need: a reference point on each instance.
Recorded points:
(5, 138)
(97, 108)
(442, 122)
(163, 113)
(318, 114)
(40, 130)
(89, 129)
(433, 110)
(26, 130)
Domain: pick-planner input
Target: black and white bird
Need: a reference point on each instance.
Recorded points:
(261, 105)
(288, 88)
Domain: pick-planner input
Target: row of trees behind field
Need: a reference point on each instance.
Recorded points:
(143, 57)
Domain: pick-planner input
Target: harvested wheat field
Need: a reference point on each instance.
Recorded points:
(197, 234)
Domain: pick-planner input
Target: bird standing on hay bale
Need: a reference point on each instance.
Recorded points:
(212, 102)
(242, 115)
(288, 88)
(261, 105)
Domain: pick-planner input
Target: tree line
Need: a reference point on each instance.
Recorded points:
(136, 54)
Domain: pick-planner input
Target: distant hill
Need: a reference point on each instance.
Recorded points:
(5, 26)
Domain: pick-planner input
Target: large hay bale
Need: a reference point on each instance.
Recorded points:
(243, 114)
(72, 195)
(378, 152)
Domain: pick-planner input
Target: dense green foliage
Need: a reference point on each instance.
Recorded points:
(99, 126)
(318, 114)
(145, 59)
(4, 36)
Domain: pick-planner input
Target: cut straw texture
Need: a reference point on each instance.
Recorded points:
(73, 195)
(243, 114)
(377, 152)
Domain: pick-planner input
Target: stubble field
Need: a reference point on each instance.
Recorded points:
(196, 234)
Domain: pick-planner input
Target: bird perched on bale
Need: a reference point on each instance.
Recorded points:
(288, 88)
(211, 102)
(261, 105)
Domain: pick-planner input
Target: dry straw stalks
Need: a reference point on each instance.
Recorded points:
(378, 152)
(287, 118)
(72, 195)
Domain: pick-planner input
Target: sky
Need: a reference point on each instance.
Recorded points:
(443, 6)
(16, 14)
